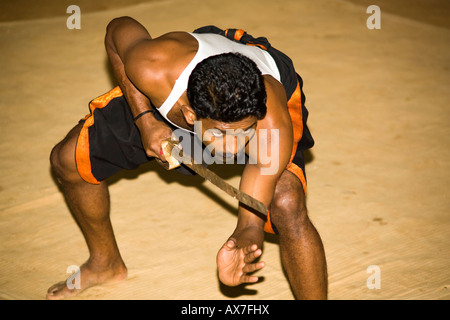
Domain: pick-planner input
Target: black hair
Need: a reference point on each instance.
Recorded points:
(227, 87)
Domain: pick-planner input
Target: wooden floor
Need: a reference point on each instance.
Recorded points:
(377, 176)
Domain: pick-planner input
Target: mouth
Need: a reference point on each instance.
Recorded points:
(228, 156)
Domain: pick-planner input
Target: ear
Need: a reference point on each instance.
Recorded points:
(189, 114)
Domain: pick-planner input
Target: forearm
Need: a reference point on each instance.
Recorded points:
(123, 37)
(250, 225)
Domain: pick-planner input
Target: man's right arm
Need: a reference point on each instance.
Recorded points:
(122, 38)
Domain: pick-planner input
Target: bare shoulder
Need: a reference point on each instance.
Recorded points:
(160, 60)
(274, 89)
(277, 111)
(170, 45)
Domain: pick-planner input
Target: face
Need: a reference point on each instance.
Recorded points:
(225, 139)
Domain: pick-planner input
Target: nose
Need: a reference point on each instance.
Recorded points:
(234, 145)
(231, 145)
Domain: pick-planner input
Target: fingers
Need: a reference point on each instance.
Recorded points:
(152, 134)
(161, 155)
(249, 279)
(249, 268)
(154, 150)
(249, 258)
(251, 253)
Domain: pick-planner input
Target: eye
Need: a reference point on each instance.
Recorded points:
(216, 132)
(249, 130)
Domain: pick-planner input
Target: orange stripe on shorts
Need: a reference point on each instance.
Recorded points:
(238, 34)
(295, 111)
(82, 156)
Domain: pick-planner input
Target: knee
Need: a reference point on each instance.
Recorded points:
(288, 211)
(62, 162)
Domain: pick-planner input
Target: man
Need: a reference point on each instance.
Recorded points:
(227, 82)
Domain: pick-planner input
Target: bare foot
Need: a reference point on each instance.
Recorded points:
(89, 277)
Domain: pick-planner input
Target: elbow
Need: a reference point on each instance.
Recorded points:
(117, 22)
(111, 29)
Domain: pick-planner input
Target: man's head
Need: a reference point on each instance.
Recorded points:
(226, 91)
(227, 87)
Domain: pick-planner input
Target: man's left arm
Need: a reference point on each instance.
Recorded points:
(259, 179)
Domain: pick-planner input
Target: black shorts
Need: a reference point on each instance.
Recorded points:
(110, 141)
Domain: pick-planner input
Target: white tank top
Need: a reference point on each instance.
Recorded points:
(210, 44)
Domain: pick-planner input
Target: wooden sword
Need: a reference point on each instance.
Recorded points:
(174, 156)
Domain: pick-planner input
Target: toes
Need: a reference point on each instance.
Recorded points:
(56, 287)
(54, 291)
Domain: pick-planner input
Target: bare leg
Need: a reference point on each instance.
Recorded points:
(301, 248)
(89, 205)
